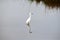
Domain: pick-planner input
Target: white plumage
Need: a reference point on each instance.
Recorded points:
(28, 23)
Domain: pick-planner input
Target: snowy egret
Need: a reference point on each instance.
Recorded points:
(28, 22)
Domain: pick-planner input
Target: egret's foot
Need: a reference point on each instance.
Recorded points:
(30, 32)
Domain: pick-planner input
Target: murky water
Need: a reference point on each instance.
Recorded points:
(13, 14)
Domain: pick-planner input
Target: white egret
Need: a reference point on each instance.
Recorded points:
(28, 23)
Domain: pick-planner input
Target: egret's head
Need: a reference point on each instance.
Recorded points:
(30, 13)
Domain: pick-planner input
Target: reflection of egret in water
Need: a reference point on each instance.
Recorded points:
(28, 23)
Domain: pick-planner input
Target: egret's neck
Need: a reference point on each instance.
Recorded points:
(30, 15)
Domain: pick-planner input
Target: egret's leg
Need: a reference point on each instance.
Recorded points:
(30, 30)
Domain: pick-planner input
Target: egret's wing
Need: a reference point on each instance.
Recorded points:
(28, 20)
